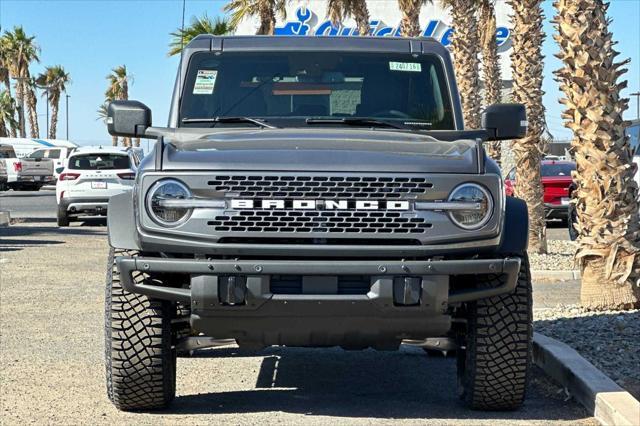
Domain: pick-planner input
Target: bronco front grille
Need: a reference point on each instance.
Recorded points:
(345, 187)
(335, 222)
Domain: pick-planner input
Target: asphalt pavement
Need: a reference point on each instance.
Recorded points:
(51, 357)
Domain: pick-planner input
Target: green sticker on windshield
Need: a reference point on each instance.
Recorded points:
(405, 66)
(205, 82)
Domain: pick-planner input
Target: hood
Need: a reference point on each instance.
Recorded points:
(320, 149)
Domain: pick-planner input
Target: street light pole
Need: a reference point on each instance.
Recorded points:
(637, 95)
(47, 92)
(67, 113)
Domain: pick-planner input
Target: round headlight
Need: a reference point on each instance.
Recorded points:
(160, 206)
(480, 206)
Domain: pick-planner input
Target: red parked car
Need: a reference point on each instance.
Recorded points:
(556, 179)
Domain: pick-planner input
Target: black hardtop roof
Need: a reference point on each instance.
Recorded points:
(317, 43)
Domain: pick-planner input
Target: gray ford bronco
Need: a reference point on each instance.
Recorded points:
(317, 192)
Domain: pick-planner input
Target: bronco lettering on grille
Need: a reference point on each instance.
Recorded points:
(319, 204)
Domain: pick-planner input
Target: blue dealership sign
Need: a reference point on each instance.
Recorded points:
(307, 23)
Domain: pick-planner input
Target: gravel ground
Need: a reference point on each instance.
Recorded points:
(560, 256)
(52, 371)
(609, 340)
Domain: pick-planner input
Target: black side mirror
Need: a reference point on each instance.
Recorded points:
(128, 118)
(59, 170)
(505, 121)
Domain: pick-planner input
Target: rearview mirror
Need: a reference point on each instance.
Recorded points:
(505, 121)
(128, 118)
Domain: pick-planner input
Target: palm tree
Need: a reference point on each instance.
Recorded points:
(102, 116)
(606, 195)
(527, 65)
(32, 102)
(490, 64)
(8, 122)
(203, 25)
(410, 23)
(339, 10)
(266, 10)
(21, 51)
(465, 54)
(5, 65)
(10, 125)
(118, 90)
(55, 79)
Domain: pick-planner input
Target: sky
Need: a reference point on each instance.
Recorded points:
(90, 37)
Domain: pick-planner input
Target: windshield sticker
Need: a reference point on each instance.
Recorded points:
(405, 66)
(205, 82)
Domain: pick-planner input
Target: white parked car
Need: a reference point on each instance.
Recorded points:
(90, 177)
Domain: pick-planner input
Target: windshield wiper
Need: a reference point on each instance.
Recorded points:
(354, 121)
(215, 120)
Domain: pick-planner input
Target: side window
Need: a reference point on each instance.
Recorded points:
(53, 153)
(38, 154)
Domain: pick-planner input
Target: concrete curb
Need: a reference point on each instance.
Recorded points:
(5, 218)
(568, 274)
(601, 396)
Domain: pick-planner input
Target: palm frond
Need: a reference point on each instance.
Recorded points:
(202, 25)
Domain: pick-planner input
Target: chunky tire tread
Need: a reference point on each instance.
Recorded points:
(140, 362)
(497, 359)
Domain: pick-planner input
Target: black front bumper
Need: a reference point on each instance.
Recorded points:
(370, 319)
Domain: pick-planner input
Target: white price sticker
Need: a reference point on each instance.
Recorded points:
(205, 82)
(405, 66)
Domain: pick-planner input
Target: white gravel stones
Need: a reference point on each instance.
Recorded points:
(560, 257)
(610, 340)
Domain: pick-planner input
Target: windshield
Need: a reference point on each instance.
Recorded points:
(99, 162)
(557, 169)
(290, 87)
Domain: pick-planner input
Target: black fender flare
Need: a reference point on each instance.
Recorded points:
(121, 222)
(515, 233)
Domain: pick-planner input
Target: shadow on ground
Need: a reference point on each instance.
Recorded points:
(406, 384)
(88, 227)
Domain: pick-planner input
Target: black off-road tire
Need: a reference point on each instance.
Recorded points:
(63, 217)
(494, 364)
(140, 361)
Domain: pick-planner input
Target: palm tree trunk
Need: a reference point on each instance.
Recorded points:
(136, 142)
(54, 119)
(114, 140)
(361, 16)
(465, 54)
(410, 23)
(606, 197)
(526, 63)
(267, 17)
(7, 82)
(490, 65)
(20, 106)
(32, 102)
(3, 129)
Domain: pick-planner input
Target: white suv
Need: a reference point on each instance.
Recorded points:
(92, 175)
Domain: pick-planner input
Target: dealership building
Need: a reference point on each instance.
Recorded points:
(309, 18)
